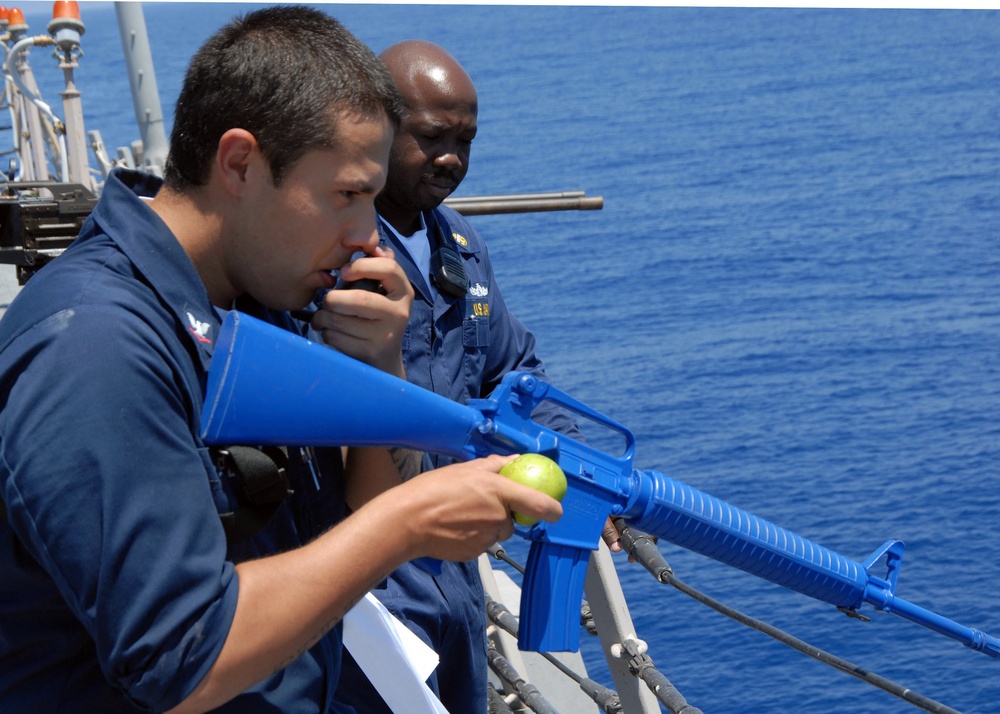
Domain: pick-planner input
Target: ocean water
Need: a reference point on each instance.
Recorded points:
(791, 295)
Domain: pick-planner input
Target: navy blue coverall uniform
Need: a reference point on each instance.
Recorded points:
(118, 586)
(458, 347)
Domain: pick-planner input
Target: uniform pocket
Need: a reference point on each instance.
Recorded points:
(475, 333)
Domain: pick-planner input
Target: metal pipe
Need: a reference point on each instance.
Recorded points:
(514, 197)
(19, 71)
(67, 29)
(493, 205)
(142, 81)
(78, 168)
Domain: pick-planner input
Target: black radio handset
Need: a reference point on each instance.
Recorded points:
(369, 284)
(447, 267)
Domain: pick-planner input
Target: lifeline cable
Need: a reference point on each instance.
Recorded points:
(605, 698)
(586, 615)
(495, 703)
(497, 551)
(643, 550)
(526, 691)
(640, 666)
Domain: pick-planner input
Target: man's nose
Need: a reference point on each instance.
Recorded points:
(449, 158)
(364, 235)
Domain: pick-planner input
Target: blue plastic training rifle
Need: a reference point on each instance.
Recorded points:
(267, 386)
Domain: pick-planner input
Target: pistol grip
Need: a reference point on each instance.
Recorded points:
(551, 594)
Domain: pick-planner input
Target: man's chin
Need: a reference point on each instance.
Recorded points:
(295, 303)
(437, 194)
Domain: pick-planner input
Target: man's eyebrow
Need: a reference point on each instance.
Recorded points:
(358, 186)
(435, 124)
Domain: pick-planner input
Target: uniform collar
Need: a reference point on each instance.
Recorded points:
(419, 281)
(150, 245)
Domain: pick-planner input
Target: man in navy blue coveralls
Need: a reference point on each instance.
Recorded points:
(460, 342)
(120, 589)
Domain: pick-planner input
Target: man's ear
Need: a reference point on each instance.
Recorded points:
(237, 152)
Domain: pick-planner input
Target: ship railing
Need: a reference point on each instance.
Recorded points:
(525, 203)
(641, 687)
(605, 615)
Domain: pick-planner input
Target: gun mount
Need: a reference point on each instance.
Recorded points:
(38, 220)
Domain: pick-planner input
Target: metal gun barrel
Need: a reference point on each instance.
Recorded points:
(525, 203)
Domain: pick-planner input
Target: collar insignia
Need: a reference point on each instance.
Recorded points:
(198, 328)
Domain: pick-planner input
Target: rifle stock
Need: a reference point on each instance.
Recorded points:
(267, 386)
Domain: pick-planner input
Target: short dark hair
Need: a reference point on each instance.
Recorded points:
(282, 73)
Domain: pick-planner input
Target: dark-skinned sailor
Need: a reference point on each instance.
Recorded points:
(460, 341)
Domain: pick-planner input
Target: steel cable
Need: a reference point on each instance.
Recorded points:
(641, 547)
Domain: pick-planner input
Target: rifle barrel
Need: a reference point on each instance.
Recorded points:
(683, 515)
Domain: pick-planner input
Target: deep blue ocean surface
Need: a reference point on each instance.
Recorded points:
(792, 294)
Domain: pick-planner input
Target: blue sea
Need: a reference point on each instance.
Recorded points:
(791, 295)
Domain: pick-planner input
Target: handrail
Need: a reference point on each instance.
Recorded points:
(613, 625)
(525, 203)
(452, 200)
